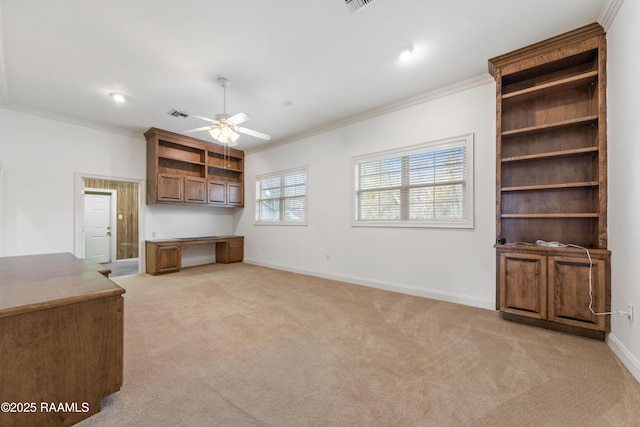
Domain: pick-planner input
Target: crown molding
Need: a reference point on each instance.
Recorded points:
(72, 120)
(377, 112)
(608, 13)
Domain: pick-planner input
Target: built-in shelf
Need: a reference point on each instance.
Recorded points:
(226, 168)
(553, 215)
(552, 87)
(550, 127)
(550, 186)
(539, 156)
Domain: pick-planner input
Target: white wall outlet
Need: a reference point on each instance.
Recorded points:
(327, 257)
(153, 234)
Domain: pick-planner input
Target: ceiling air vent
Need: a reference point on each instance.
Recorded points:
(356, 5)
(176, 113)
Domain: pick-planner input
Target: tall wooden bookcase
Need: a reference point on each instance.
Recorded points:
(551, 183)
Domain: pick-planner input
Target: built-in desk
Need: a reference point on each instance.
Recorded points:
(61, 339)
(165, 255)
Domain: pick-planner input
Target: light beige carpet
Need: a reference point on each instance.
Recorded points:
(241, 345)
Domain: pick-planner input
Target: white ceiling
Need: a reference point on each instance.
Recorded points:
(63, 58)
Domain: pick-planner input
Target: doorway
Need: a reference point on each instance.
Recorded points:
(125, 196)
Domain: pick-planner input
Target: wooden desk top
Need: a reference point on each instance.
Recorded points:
(205, 239)
(37, 282)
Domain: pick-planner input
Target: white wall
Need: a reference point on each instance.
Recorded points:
(623, 63)
(40, 158)
(451, 264)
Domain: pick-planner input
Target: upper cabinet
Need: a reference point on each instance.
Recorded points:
(184, 170)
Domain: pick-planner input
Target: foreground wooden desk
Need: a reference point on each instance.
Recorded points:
(165, 255)
(61, 339)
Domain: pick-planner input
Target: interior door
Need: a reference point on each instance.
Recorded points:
(97, 227)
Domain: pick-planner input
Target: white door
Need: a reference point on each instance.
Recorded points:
(97, 227)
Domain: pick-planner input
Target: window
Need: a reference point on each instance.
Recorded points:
(427, 185)
(281, 198)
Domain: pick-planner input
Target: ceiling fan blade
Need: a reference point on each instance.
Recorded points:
(241, 117)
(196, 129)
(254, 133)
(206, 119)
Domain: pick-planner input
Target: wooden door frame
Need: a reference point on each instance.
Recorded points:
(113, 240)
(78, 247)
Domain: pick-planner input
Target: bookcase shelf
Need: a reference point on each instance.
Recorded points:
(553, 215)
(550, 127)
(562, 153)
(551, 186)
(580, 80)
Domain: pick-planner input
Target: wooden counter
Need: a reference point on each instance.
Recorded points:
(165, 255)
(61, 338)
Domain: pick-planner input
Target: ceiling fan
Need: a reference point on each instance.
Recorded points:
(224, 128)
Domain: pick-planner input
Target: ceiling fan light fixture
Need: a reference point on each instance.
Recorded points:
(224, 132)
(215, 131)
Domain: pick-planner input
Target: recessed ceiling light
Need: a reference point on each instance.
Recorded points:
(405, 53)
(288, 104)
(118, 97)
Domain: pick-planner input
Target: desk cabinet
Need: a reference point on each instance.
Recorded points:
(164, 257)
(236, 249)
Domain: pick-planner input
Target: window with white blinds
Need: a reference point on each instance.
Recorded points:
(281, 197)
(427, 185)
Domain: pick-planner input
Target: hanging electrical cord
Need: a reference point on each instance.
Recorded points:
(590, 280)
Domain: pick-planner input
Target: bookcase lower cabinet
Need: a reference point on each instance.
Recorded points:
(555, 288)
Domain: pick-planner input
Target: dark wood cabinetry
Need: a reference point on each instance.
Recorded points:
(551, 180)
(183, 170)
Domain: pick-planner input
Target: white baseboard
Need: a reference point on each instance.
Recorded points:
(394, 287)
(625, 356)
